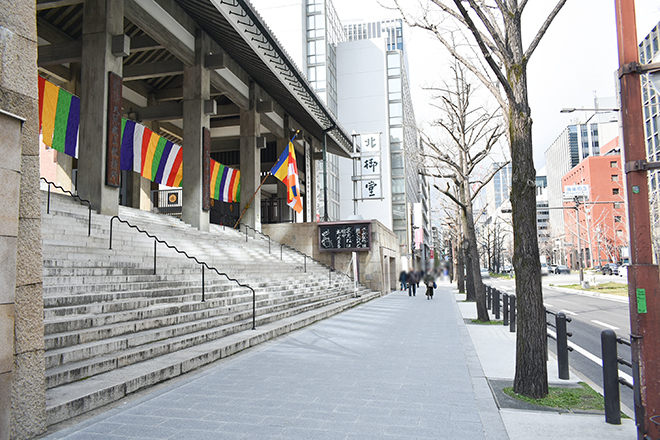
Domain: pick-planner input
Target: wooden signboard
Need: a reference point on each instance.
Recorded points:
(345, 236)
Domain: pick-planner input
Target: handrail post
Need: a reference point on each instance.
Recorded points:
(89, 219)
(155, 242)
(202, 283)
(48, 205)
(562, 346)
(281, 245)
(610, 377)
(111, 220)
(512, 314)
(254, 309)
(269, 245)
(246, 233)
(505, 309)
(305, 262)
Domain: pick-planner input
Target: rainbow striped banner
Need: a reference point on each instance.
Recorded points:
(149, 154)
(225, 183)
(59, 118)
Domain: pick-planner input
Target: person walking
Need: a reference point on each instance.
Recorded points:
(402, 280)
(411, 279)
(429, 280)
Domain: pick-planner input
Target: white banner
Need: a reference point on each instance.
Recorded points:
(371, 189)
(370, 142)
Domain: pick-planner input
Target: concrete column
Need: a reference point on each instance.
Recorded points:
(251, 161)
(102, 19)
(22, 378)
(196, 89)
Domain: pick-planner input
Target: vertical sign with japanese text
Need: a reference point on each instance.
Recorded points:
(369, 178)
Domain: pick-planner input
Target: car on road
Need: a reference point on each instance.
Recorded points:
(552, 268)
(562, 269)
(544, 269)
(623, 270)
(484, 273)
(610, 269)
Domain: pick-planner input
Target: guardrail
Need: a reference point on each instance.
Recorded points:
(201, 263)
(75, 196)
(561, 336)
(611, 379)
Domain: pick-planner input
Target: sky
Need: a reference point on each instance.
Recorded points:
(575, 61)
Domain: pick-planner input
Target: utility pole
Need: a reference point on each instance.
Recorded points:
(643, 275)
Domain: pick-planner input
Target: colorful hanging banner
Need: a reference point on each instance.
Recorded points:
(225, 183)
(59, 118)
(149, 154)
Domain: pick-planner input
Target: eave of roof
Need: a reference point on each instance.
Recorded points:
(259, 53)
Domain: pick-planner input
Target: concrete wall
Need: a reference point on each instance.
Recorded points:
(22, 395)
(378, 267)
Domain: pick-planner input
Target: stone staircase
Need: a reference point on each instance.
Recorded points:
(112, 326)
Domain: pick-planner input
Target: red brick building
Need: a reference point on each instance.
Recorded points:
(603, 227)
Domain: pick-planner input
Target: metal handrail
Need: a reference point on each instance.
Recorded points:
(75, 196)
(201, 263)
(256, 231)
(330, 268)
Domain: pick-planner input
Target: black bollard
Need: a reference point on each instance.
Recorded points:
(610, 377)
(496, 304)
(512, 314)
(562, 346)
(489, 293)
(505, 309)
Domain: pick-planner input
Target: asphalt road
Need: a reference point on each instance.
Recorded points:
(590, 315)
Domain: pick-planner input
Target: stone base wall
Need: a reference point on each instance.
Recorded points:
(379, 267)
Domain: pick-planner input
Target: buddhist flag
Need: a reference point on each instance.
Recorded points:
(59, 118)
(225, 183)
(149, 154)
(286, 170)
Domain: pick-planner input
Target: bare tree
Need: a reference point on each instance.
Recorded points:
(496, 28)
(472, 134)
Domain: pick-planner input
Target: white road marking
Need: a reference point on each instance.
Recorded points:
(569, 313)
(602, 324)
(592, 357)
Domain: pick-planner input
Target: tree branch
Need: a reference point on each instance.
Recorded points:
(487, 55)
(542, 30)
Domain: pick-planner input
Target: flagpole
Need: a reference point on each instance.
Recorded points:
(238, 222)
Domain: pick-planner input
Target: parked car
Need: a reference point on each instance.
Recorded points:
(544, 269)
(552, 268)
(623, 270)
(484, 273)
(562, 269)
(610, 269)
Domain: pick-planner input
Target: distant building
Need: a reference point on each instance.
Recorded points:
(602, 228)
(543, 215)
(498, 190)
(648, 51)
(575, 143)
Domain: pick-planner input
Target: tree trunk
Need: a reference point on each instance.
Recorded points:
(531, 377)
(460, 267)
(478, 285)
(470, 294)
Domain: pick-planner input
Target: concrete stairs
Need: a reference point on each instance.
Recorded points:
(112, 326)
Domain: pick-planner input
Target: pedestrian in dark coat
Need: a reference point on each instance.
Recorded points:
(411, 279)
(402, 279)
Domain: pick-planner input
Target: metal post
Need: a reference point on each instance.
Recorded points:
(48, 206)
(643, 290)
(496, 304)
(254, 310)
(489, 294)
(577, 215)
(246, 233)
(610, 377)
(505, 309)
(111, 220)
(562, 346)
(325, 176)
(512, 314)
(89, 218)
(202, 283)
(281, 258)
(268, 245)
(305, 262)
(155, 242)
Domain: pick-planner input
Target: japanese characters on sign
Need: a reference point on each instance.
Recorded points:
(572, 191)
(344, 237)
(368, 171)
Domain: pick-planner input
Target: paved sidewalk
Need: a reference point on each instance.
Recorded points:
(398, 367)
